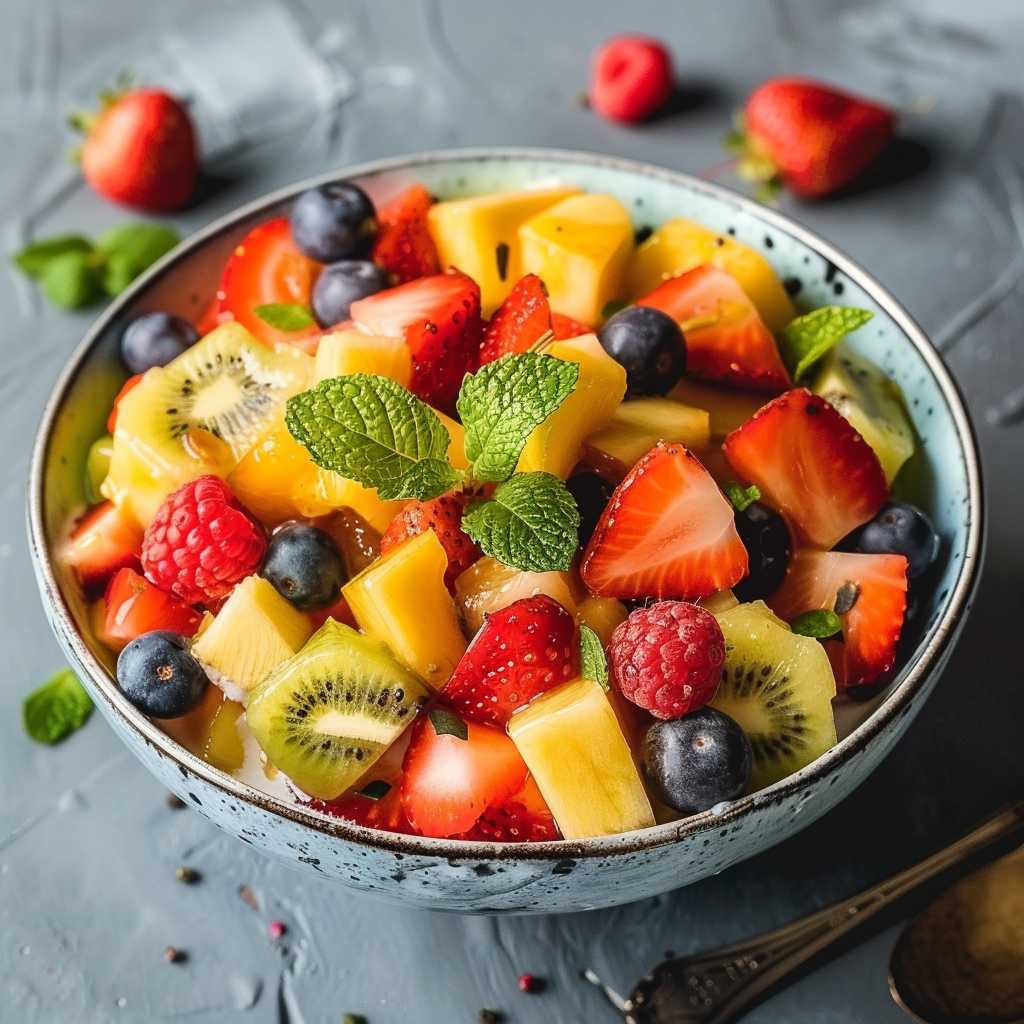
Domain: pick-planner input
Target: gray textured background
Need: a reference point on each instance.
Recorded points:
(88, 845)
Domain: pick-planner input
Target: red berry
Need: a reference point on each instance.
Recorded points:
(528, 983)
(668, 658)
(519, 322)
(277, 929)
(565, 327)
(103, 542)
(631, 78)
(202, 542)
(404, 245)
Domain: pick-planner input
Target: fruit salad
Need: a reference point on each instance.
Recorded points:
(480, 519)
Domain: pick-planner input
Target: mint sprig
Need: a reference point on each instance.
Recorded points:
(56, 709)
(742, 497)
(819, 623)
(809, 337)
(285, 316)
(593, 663)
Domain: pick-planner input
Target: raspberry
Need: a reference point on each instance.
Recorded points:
(631, 78)
(202, 542)
(668, 658)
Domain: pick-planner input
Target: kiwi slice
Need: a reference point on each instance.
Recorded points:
(327, 713)
(779, 687)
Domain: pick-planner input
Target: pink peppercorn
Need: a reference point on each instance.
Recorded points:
(277, 929)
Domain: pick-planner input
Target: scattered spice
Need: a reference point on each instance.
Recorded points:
(187, 875)
(489, 1016)
(353, 1018)
(248, 896)
(175, 956)
(529, 983)
(175, 802)
(277, 929)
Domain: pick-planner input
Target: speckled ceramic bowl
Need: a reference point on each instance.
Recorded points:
(943, 478)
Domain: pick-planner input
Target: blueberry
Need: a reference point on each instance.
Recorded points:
(699, 760)
(155, 339)
(649, 345)
(591, 494)
(333, 222)
(304, 565)
(158, 674)
(342, 283)
(766, 537)
(900, 529)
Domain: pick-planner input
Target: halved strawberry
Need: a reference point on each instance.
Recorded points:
(125, 388)
(520, 320)
(103, 542)
(444, 516)
(726, 339)
(810, 465)
(404, 245)
(872, 589)
(448, 782)
(134, 606)
(386, 813)
(267, 267)
(668, 531)
(521, 651)
(513, 823)
(439, 317)
(565, 327)
(339, 611)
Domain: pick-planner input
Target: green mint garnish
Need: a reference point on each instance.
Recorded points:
(371, 429)
(33, 259)
(742, 497)
(503, 402)
(529, 524)
(613, 307)
(820, 623)
(447, 724)
(130, 249)
(809, 337)
(56, 709)
(285, 316)
(593, 663)
(376, 790)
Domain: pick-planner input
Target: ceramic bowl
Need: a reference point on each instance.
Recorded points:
(943, 478)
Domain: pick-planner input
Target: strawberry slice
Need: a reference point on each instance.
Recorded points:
(103, 542)
(404, 245)
(810, 465)
(868, 592)
(448, 782)
(521, 651)
(524, 818)
(439, 317)
(565, 327)
(726, 339)
(386, 813)
(668, 531)
(134, 606)
(444, 516)
(520, 320)
(267, 267)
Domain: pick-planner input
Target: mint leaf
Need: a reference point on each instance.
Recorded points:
(810, 336)
(502, 403)
(33, 258)
(72, 280)
(593, 663)
(741, 497)
(131, 249)
(56, 709)
(376, 790)
(820, 623)
(529, 524)
(285, 316)
(614, 306)
(371, 429)
(447, 724)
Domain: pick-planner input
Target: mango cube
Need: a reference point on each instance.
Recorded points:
(580, 249)
(573, 745)
(728, 408)
(602, 615)
(351, 351)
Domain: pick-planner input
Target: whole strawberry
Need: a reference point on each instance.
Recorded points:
(668, 658)
(140, 150)
(809, 136)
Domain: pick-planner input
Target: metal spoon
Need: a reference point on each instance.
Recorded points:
(716, 987)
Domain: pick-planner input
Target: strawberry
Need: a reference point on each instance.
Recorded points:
(387, 813)
(125, 388)
(726, 340)
(439, 317)
(339, 611)
(811, 136)
(520, 320)
(520, 652)
(267, 267)
(873, 591)
(565, 327)
(448, 781)
(668, 531)
(135, 606)
(444, 516)
(514, 823)
(140, 149)
(404, 245)
(631, 78)
(810, 465)
(103, 542)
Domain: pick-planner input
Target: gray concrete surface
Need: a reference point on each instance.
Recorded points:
(88, 846)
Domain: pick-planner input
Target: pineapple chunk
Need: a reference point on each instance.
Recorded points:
(680, 245)
(602, 615)
(728, 408)
(351, 351)
(401, 599)
(328, 491)
(253, 633)
(573, 745)
(579, 249)
(638, 425)
(557, 444)
(479, 236)
(718, 602)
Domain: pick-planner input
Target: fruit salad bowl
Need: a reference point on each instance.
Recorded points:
(942, 478)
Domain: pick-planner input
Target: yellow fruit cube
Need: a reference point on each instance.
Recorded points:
(401, 599)
(602, 615)
(680, 245)
(480, 237)
(728, 408)
(573, 745)
(350, 351)
(329, 491)
(580, 249)
(557, 444)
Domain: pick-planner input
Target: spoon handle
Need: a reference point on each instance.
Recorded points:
(713, 988)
